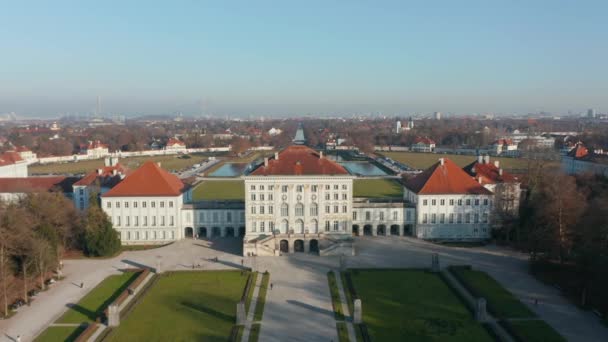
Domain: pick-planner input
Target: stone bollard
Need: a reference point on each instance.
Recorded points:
(357, 315)
(113, 316)
(241, 316)
(435, 267)
(481, 314)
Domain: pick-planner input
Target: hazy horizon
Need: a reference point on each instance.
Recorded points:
(267, 58)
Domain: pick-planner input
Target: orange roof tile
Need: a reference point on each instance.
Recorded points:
(35, 184)
(148, 180)
(10, 157)
(299, 160)
(106, 171)
(173, 141)
(488, 173)
(446, 178)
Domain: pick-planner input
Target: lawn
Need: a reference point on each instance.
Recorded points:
(259, 307)
(413, 305)
(254, 278)
(335, 296)
(424, 160)
(96, 301)
(377, 188)
(168, 162)
(219, 190)
(535, 331)
(254, 333)
(501, 302)
(342, 332)
(60, 334)
(185, 306)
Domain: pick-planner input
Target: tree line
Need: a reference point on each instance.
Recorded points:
(36, 230)
(563, 225)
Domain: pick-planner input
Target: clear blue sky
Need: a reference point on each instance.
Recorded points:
(290, 58)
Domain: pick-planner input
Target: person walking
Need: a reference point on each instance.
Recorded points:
(271, 286)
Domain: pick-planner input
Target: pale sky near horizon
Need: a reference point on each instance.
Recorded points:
(306, 57)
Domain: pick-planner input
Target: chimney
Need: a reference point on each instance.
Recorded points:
(441, 161)
(266, 162)
(320, 154)
(480, 180)
(500, 172)
(480, 159)
(158, 163)
(473, 169)
(114, 172)
(276, 156)
(486, 159)
(99, 171)
(497, 163)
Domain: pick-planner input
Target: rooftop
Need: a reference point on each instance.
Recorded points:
(9, 158)
(486, 172)
(36, 184)
(445, 177)
(148, 180)
(298, 160)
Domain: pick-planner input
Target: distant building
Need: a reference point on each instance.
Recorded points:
(99, 181)
(299, 139)
(12, 165)
(505, 186)
(274, 131)
(95, 149)
(591, 113)
(13, 189)
(410, 124)
(437, 115)
(398, 127)
(423, 145)
(502, 146)
(450, 205)
(175, 145)
(26, 154)
(580, 160)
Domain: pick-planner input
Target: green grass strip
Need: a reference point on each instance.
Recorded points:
(54, 334)
(501, 302)
(254, 334)
(349, 296)
(94, 303)
(254, 278)
(358, 333)
(259, 308)
(342, 332)
(335, 296)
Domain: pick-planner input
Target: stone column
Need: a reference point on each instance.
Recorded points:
(358, 314)
(223, 232)
(291, 245)
(481, 314)
(402, 230)
(113, 316)
(306, 246)
(374, 230)
(236, 231)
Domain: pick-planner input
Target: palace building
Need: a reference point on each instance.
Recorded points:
(301, 201)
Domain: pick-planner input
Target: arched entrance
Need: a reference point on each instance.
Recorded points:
(189, 232)
(215, 232)
(314, 246)
(355, 230)
(230, 232)
(298, 246)
(202, 232)
(241, 231)
(395, 229)
(284, 246)
(367, 229)
(381, 230)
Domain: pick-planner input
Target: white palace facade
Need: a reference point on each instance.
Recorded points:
(299, 201)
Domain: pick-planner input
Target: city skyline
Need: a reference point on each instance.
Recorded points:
(292, 59)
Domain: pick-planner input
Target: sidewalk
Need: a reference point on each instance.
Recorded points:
(347, 315)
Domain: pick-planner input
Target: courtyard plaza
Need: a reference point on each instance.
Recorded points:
(299, 305)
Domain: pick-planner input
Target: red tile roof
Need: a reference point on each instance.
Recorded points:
(35, 184)
(10, 157)
(446, 178)
(503, 142)
(488, 173)
(93, 145)
(425, 140)
(148, 180)
(173, 141)
(299, 160)
(107, 172)
(579, 151)
(21, 149)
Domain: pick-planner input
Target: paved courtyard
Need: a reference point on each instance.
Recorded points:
(298, 307)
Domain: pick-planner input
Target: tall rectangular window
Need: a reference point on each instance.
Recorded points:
(136, 221)
(270, 209)
(313, 188)
(368, 216)
(451, 218)
(395, 215)
(433, 218)
(228, 217)
(354, 215)
(162, 204)
(381, 216)
(153, 220)
(425, 218)
(299, 188)
(459, 220)
(441, 218)
(284, 188)
(261, 209)
(171, 222)
(162, 220)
